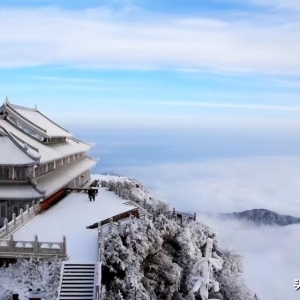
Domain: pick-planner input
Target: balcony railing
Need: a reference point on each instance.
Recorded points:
(11, 248)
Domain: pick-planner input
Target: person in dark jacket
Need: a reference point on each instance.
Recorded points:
(91, 194)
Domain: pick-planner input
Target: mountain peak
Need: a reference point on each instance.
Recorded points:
(261, 216)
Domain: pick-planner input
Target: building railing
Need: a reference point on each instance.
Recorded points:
(11, 248)
(179, 217)
(17, 222)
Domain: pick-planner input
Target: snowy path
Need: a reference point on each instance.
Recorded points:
(70, 218)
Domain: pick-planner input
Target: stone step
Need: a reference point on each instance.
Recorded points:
(78, 274)
(75, 288)
(80, 297)
(83, 286)
(78, 281)
(79, 266)
(88, 293)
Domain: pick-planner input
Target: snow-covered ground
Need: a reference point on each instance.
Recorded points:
(70, 217)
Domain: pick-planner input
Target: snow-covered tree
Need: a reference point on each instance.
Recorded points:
(41, 274)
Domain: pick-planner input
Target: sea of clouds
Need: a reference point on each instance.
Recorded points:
(219, 171)
(271, 253)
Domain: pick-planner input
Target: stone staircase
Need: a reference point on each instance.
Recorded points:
(142, 212)
(77, 282)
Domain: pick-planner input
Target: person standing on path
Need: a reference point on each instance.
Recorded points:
(95, 193)
(91, 194)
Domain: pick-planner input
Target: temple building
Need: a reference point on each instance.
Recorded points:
(39, 160)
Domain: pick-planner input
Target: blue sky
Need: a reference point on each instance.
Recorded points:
(154, 64)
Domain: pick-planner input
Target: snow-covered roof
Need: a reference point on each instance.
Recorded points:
(70, 217)
(18, 191)
(11, 154)
(55, 180)
(48, 152)
(35, 118)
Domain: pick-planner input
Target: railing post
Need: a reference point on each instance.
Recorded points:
(100, 249)
(36, 244)
(110, 224)
(33, 206)
(64, 246)
(99, 230)
(6, 226)
(195, 216)
(21, 214)
(14, 220)
(37, 206)
(27, 209)
(174, 212)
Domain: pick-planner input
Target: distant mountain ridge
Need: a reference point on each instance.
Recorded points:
(263, 217)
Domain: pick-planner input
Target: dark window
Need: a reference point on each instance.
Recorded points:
(20, 173)
(16, 210)
(58, 163)
(5, 173)
(3, 211)
(50, 166)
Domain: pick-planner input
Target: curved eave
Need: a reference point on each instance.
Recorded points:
(19, 191)
(42, 131)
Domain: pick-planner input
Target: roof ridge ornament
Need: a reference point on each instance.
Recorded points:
(6, 100)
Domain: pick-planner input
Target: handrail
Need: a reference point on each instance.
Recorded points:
(11, 248)
(17, 222)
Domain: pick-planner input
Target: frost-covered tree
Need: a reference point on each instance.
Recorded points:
(41, 274)
(203, 281)
(230, 278)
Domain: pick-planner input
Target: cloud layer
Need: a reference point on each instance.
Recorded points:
(102, 38)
